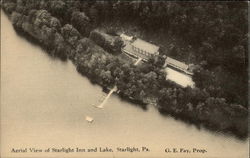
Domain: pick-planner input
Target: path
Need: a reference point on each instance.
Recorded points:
(138, 60)
(107, 97)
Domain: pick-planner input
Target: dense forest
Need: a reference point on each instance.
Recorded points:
(211, 35)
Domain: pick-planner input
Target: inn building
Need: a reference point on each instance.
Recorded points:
(145, 48)
(141, 49)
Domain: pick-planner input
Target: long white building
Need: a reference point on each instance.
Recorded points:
(177, 65)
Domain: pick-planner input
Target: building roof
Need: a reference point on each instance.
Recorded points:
(176, 63)
(146, 46)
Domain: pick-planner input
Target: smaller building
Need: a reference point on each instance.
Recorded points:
(126, 37)
(177, 65)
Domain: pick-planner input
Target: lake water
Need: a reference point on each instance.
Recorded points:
(44, 102)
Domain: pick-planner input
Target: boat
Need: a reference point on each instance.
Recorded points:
(89, 119)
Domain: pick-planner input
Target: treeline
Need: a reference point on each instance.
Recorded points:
(63, 28)
(218, 30)
(40, 25)
(198, 106)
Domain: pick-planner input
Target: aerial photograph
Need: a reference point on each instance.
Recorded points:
(120, 79)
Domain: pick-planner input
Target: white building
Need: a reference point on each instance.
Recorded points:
(178, 65)
(126, 37)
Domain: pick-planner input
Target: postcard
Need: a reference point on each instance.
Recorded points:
(119, 79)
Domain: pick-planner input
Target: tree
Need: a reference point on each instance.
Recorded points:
(9, 7)
(70, 34)
(118, 43)
(17, 20)
(57, 8)
(81, 22)
(94, 15)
